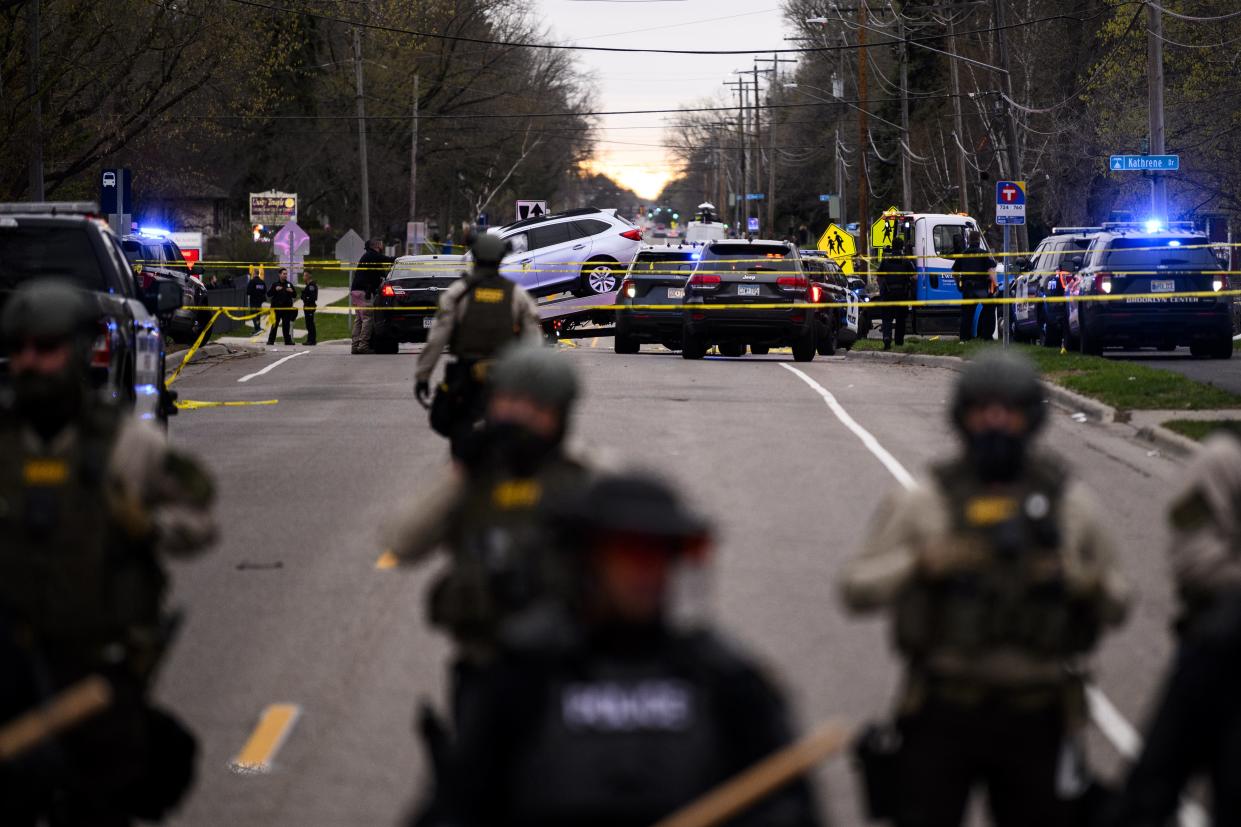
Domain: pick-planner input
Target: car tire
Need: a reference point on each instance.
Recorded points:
(805, 346)
(599, 276)
(384, 345)
(827, 344)
(1049, 334)
(1223, 348)
(732, 350)
(693, 347)
(1089, 345)
(760, 350)
(623, 343)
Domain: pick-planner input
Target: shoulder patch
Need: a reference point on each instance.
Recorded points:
(488, 295)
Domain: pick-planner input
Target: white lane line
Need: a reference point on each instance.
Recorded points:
(273, 366)
(868, 439)
(1123, 737)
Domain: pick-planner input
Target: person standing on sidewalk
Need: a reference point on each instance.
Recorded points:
(974, 272)
(310, 302)
(281, 296)
(256, 293)
(366, 279)
(897, 283)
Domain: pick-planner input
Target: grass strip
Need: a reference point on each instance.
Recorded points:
(328, 326)
(1123, 385)
(1200, 429)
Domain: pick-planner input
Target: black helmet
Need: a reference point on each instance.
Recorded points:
(628, 502)
(999, 376)
(489, 248)
(537, 372)
(49, 310)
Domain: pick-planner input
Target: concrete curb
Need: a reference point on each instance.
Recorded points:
(1168, 441)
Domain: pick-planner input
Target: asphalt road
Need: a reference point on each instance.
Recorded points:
(290, 608)
(1223, 373)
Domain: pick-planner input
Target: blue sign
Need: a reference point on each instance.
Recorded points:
(752, 224)
(825, 198)
(1145, 163)
(755, 196)
(116, 192)
(1010, 202)
(483, 219)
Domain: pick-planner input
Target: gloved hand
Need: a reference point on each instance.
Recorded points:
(422, 392)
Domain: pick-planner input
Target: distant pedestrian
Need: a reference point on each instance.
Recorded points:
(281, 296)
(897, 278)
(212, 282)
(366, 278)
(310, 302)
(803, 237)
(256, 292)
(974, 272)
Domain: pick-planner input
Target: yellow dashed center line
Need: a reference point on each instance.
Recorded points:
(273, 728)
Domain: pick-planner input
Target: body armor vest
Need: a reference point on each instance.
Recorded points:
(628, 742)
(1014, 595)
(486, 326)
(501, 559)
(66, 573)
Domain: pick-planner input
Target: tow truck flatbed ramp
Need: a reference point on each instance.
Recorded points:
(561, 317)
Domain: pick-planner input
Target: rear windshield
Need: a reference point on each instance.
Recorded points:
(1149, 253)
(678, 262)
(65, 252)
(414, 270)
(748, 258)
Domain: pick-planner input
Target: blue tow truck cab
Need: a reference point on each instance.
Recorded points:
(932, 239)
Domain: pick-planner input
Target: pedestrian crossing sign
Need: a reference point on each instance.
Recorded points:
(839, 246)
(884, 230)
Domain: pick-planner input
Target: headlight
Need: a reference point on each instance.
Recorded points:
(1105, 285)
(631, 290)
(1217, 284)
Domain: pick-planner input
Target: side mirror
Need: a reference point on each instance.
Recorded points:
(165, 298)
(196, 269)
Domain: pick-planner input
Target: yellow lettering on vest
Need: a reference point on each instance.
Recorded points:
(45, 472)
(987, 511)
(488, 295)
(513, 494)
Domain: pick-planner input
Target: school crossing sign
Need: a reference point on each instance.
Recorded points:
(839, 246)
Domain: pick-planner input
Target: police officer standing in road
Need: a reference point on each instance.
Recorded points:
(256, 293)
(1000, 579)
(974, 273)
(310, 303)
(490, 520)
(602, 710)
(281, 296)
(477, 317)
(1196, 727)
(362, 288)
(897, 279)
(89, 500)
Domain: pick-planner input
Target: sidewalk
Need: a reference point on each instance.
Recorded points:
(327, 295)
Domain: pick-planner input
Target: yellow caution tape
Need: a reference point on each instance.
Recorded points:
(195, 404)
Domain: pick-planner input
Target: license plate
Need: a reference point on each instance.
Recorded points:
(426, 322)
(1163, 286)
(676, 292)
(748, 290)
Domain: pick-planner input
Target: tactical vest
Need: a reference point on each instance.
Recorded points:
(67, 575)
(501, 559)
(626, 743)
(1014, 596)
(487, 325)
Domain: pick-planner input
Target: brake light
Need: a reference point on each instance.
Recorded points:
(1103, 283)
(387, 291)
(101, 350)
(794, 283)
(816, 294)
(629, 288)
(633, 235)
(148, 280)
(704, 281)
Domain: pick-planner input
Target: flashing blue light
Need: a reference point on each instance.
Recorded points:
(1153, 225)
(1174, 243)
(695, 256)
(155, 231)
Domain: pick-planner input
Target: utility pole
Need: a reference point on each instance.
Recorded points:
(954, 74)
(739, 212)
(757, 157)
(361, 109)
(1154, 74)
(1010, 118)
(906, 175)
(775, 62)
(36, 101)
(840, 179)
(863, 210)
(413, 160)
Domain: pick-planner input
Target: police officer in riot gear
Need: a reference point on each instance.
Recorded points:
(490, 518)
(1000, 578)
(601, 711)
(477, 317)
(89, 499)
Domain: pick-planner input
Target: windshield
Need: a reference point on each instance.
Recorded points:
(1150, 253)
(662, 263)
(65, 252)
(414, 270)
(749, 258)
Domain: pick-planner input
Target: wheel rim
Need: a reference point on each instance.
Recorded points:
(601, 279)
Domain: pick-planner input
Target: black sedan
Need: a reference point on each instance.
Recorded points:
(656, 279)
(414, 282)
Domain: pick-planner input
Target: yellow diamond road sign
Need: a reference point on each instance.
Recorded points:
(839, 246)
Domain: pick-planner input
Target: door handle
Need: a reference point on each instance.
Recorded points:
(580, 247)
(526, 261)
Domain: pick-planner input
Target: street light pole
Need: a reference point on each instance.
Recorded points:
(413, 160)
(361, 110)
(862, 194)
(957, 120)
(906, 176)
(1154, 70)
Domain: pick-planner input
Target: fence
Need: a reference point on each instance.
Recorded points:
(227, 297)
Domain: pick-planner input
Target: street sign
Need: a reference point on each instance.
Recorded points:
(531, 209)
(755, 196)
(752, 224)
(882, 231)
(825, 198)
(191, 245)
(484, 220)
(291, 244)
(1010, 202)
(840, 247)
(1144, 163)
(116, 192)
(350, 248)
(273, 209)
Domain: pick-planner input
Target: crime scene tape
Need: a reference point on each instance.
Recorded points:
(216, 311)
(195, 404)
